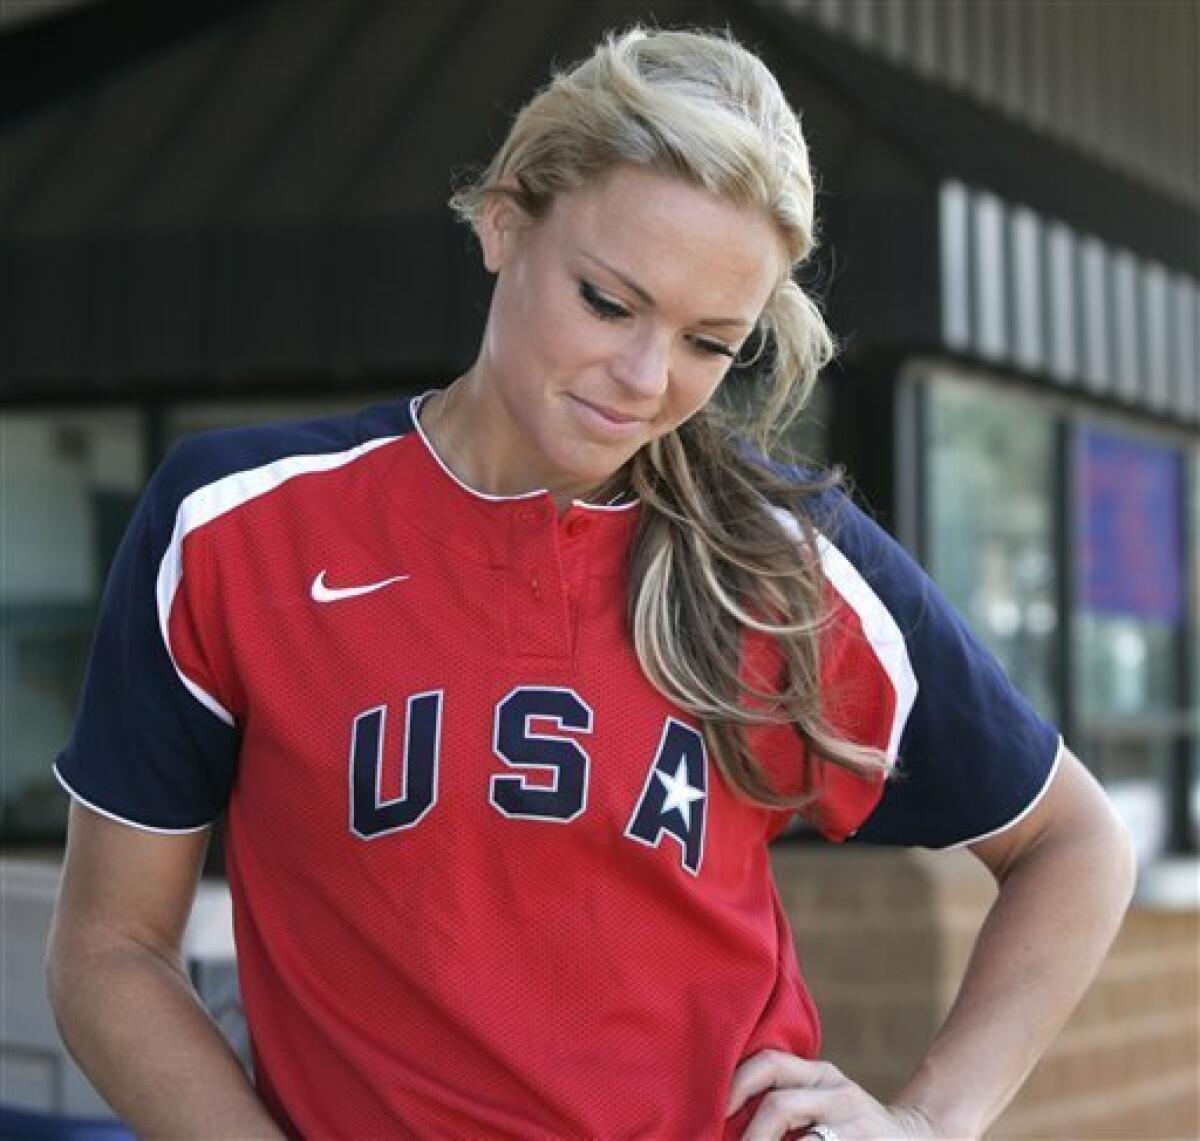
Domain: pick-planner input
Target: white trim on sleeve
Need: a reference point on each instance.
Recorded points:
(1041, 792)
(879, 627)
(214, 499)
(882, 633)
(122, 819)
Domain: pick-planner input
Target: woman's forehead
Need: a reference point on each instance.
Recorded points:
(641, 194)
(653, 228)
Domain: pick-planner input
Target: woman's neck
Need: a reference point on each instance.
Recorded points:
(451, 419)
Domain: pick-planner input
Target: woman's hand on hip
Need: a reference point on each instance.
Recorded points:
(799, 1094)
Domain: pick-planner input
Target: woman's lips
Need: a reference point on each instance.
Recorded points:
(608, 420)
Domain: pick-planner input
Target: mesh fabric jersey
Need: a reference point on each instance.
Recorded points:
(486, 880)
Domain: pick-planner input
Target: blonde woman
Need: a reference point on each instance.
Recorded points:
(505, 689)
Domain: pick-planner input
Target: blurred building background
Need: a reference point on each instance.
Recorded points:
(228, 212)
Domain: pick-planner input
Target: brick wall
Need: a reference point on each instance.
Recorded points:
(883, 939)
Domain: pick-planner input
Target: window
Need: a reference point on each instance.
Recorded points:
(1130, 611)
(70, 482)
(989, 522)
(1193, 713)
(186, 419)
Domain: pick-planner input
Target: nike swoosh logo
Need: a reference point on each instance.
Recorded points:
(322, 593)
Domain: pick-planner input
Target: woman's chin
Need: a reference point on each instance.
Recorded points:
(599, 466)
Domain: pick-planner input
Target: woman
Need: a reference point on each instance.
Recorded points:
(505, 690)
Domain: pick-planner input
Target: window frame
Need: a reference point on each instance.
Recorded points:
(1070, 411)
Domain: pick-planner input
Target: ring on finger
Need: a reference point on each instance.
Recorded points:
(824, 1133)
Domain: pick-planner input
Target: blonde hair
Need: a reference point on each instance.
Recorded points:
(724, 544)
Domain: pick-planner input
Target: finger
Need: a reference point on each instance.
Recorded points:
(771, 1068)
(783, 1110)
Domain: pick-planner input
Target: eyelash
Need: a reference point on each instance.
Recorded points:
(610, 311)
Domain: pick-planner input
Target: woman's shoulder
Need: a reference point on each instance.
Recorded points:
(807, 492)
(201, 459)
(822, 503)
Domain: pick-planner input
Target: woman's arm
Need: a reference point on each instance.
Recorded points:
(123, 1002)
(1066, 874)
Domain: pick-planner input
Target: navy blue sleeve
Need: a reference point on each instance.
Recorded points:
(151, 746)
(143, 748)
(973, 753)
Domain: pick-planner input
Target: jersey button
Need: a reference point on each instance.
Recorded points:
(576, 527)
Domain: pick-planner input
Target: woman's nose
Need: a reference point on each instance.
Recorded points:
(644, 365)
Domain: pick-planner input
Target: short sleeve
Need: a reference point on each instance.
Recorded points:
(970, 754)
(152, 745)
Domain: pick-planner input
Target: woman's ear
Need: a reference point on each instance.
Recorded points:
(500, 220)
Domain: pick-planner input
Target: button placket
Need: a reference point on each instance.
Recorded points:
(540, 619)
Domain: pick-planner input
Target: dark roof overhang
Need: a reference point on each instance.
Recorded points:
(258, 195)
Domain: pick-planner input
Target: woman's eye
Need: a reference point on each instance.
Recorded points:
(610, 311)
(715, 348)
(601, 306)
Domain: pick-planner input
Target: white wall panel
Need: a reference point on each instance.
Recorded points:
(1119, 79)
(1062, 302)
(988, 271)
(1185, 355)
(1025, 288)
(1126, 342)
(1156, 327)
(955, 225)
(1096, 313)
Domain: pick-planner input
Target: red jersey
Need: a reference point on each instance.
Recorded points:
(486, 880)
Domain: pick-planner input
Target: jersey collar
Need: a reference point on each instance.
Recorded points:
(414, 407)
(483, 525)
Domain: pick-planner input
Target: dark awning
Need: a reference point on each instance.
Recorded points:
(265, 196)
(262, 194)
(953, 136)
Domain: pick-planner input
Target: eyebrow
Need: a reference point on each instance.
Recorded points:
(645, 297)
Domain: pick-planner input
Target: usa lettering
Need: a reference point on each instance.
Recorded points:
(672, 804)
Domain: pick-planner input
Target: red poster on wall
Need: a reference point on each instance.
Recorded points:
(1129, 526)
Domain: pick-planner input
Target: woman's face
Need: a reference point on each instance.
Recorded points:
(613, 320)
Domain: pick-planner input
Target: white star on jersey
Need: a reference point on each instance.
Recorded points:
(680, 793)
